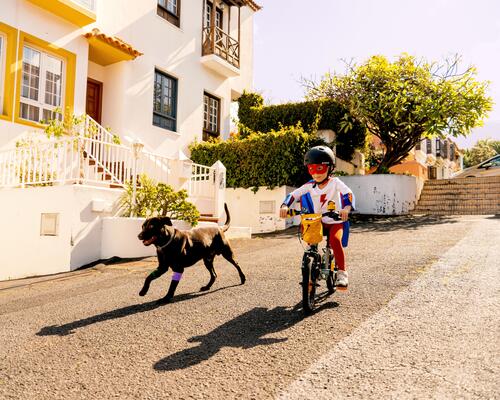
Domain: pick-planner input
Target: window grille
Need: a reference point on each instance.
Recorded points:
(211, 115)
(41, 85)
(165, 101)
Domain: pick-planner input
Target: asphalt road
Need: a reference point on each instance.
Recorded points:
(420, 320)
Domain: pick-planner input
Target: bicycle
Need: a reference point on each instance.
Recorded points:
(316, 266)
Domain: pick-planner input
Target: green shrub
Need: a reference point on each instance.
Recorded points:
(268, 159)
(158, 199)
(312, 115)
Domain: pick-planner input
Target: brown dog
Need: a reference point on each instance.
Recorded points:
(181, 249)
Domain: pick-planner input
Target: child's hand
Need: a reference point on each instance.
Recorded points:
(344, 213)
(283, 211)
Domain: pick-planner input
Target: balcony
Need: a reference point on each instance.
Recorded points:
(78, 12)
(220, 52)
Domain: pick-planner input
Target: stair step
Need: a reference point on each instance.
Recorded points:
(460, 201)
(464, 186)
(208, 218)
(463, 180)
(459, 196)
(462, 196)
(457, 212)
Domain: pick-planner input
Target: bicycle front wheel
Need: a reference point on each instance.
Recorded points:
(309, 278)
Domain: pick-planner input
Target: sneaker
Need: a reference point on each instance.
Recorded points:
(342, 281)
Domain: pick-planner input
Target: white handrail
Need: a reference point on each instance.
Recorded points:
(86, 160)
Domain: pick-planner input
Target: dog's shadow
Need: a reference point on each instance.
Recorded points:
(67, 329)
(245, 331)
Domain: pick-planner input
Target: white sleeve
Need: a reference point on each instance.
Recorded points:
(345, 193)
(294, 196)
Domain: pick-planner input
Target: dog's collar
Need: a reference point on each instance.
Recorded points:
(169, 241)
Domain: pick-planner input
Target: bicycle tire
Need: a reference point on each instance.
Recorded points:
(308, 285)
(330, 283)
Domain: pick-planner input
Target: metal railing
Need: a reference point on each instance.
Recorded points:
(93, 162)
(92, 158)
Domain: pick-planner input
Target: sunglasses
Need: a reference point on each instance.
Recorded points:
(317, 168)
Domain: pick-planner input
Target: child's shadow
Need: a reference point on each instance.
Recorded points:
(245, 331)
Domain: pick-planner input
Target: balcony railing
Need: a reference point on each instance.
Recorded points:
(221, 44)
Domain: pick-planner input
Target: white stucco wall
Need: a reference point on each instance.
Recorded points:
(384, 194)
(44, 25)
(245, 208)
(128, 86)
(26, 253)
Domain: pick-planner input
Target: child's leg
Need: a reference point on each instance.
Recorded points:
(336, 231)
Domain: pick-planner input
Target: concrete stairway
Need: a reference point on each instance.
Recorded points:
(460, 196)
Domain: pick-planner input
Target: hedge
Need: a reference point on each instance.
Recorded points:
(312, 115)
(268, 159)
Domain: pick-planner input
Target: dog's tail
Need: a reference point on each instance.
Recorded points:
(228, 220)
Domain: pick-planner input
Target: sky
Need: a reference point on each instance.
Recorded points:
(305, 39)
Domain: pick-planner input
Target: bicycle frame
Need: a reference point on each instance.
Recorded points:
(315, 267)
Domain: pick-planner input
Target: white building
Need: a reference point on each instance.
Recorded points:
(106, 57)
(156, 72)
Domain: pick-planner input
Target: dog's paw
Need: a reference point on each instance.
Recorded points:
(164, 300)
(144, 290)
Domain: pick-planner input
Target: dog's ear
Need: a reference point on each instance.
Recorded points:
(166, 221)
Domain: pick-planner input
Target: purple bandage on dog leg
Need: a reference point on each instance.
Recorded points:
(177, 276)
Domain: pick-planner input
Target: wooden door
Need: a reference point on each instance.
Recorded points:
(94, 99)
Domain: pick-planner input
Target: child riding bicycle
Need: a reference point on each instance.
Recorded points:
(322, 194)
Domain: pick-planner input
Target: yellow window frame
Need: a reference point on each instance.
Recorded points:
(70, 74)
(9, 72)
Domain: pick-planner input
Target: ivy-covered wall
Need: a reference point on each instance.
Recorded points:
(312, 115)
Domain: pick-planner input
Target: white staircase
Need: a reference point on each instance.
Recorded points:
(94, 158)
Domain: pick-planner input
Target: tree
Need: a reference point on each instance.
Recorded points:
(403, 101)
(482, 150)
(157, 199)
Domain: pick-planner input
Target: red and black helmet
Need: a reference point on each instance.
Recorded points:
(320, 155)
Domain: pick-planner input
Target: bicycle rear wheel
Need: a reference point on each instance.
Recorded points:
(309, 278)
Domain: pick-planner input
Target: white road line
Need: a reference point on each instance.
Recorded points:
(439, 338)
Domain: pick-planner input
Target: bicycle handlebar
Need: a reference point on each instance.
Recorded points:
(331, 214)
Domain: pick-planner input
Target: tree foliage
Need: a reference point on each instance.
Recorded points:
(403, 101)
(158, 199)
(312, 115)
(482, 150)
(269, 159)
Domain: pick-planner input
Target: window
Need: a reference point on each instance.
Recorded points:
(41, 85)
(417, 146)
(211, 116)
(208, 16)
(428, 146)
(438, 147)
(170, 10)
(165, 101)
